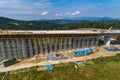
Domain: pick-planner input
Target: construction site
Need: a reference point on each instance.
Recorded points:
(23, 49)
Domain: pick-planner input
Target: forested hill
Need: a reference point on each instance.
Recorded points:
(6, 23)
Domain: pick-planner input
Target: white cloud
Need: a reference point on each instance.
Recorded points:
(44, 13)
(68, 13)
(57, 14)
(75, 13)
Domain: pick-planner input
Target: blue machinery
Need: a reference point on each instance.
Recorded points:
(83, 52)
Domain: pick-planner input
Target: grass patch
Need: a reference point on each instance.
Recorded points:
(107, 68)
(89, 29)
(16, 24)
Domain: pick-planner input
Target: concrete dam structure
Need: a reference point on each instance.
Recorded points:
(26, 44)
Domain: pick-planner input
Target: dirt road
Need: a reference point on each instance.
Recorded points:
(100, 53)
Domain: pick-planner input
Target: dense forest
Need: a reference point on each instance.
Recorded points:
(6, 23)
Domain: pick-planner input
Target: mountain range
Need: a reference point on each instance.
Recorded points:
(80, 19)
(69, 20)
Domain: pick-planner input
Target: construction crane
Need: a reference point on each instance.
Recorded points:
(109, 29)
(108, 43)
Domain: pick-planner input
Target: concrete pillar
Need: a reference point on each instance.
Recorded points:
(7, 47)
(60, 44)
(50, 45)
(16, 49)
(40, 46)
(2, 44)
(74, 43)
(42, 41)
(13, 48)
(45, 50)
(107, 40)
(9, 51)
(87, 42)
(24, 51)
(97, 42)
(17, 53)
(70, 43)
(35, 46)
(65, 44)
(92, 42)
(55, 44)
(37, 40)
(1, 57)
(30, 48)
(83, 43)
(19, 48)
(79, 43)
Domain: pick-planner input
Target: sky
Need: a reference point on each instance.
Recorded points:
(58, 9)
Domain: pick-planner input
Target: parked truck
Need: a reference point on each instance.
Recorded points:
(9, 62)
